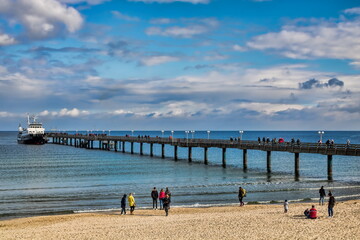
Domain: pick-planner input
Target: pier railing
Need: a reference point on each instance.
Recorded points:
(305, 147)
(118, 143)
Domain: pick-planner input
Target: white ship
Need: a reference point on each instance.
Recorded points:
(33, 134)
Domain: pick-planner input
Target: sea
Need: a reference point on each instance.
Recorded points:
(56, 179)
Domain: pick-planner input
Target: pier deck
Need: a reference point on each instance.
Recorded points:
(118, 143)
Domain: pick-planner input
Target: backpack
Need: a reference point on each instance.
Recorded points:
(243, 192)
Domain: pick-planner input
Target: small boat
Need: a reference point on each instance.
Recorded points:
(33, 134)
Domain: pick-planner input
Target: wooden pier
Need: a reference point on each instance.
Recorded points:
(118, 143)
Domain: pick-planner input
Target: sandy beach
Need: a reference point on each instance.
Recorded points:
(231, 222)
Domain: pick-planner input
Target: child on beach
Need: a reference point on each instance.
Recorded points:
(286, 206)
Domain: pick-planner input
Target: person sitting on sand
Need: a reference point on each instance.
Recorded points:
(123, 205)
(313, 212)
(132, 204)
(307, 213)
(166, 205)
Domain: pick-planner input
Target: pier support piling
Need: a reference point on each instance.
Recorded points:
(245, 161)
(297, 166)
(141, 148)
(190, 154)
(132, 148)
(268, 161)
(329, 167)
(205, 155)
(162, 150)
(224, 157)
(123, 147)
(151, 149)
(175, 152)
(115, 146)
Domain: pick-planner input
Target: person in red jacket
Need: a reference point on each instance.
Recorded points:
(161, 198)
(313, 212)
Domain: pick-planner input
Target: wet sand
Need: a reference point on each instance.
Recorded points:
(231, 222)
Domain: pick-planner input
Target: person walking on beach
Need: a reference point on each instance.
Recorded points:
(132, 204)
(331, 204)
(123, 205)
(286, 206)
(161, 198)
(166, 206)
(322, 195)
(154, 196)
(241, 195)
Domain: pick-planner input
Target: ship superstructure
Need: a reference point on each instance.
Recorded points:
(33, 134)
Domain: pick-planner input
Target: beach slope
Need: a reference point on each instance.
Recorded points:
(232, 222)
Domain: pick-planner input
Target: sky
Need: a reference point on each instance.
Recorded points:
(180, 64)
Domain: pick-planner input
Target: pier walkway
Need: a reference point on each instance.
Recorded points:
(118, 144)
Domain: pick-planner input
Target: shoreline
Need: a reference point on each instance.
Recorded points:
(264, 221)
(194, 206)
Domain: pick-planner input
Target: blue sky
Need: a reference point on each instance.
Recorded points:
(181, 64)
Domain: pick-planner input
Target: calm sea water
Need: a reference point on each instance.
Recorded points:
(53, 179)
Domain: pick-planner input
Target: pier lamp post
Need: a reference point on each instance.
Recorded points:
(241, 133)
(172, 133)
(192, 132)
(132, 133)
(109, 132)
(321, 134)
(87, 132)
(187, 135)
(208, 132)
(162, 133)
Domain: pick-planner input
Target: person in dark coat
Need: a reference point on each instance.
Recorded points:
(322, 195)
(123, 205)
(166, 205)
(154, 196)
(331, 205)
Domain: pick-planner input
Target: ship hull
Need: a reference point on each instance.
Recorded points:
(32, 139)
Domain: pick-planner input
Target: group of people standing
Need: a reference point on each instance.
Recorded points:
(312, 213)
(164, 198)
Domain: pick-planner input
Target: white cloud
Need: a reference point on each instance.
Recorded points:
(339, 40)
(161, 21)
(181, 32)
(171, 1)
(6, 40)
(6, 114)
(156, 60)
(90, 2)
(41, 18)
(352, 10)
(65, 113)
(125, 17)
(238, 48)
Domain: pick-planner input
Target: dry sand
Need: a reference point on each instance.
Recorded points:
(248, 222)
